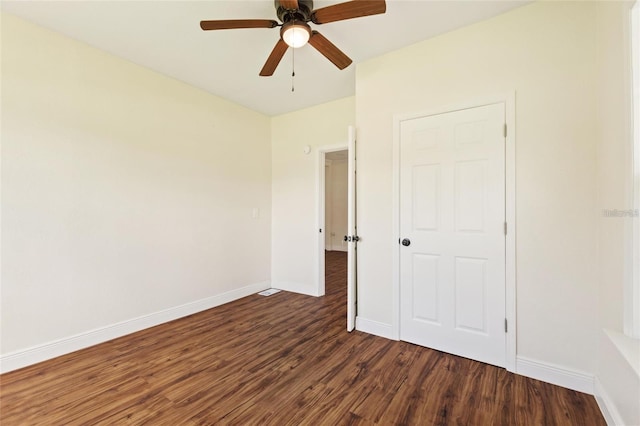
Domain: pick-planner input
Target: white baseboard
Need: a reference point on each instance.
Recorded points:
(374, 327)
(22, 358)
(606, 405)
(556, 375)
(339, 248)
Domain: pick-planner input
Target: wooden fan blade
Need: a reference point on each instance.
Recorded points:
(329, 50)
(289, 4)
(348, 10)
(274, 58)
(231, 24)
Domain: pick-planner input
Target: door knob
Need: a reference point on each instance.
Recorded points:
(406, 242)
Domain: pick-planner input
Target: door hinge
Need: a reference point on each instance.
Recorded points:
(505, 325)
(504, 130)
(505, 228)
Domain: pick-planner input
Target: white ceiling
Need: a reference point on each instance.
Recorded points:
(165, 36)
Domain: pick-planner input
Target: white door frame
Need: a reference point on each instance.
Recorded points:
(509, 99)
(320, 193)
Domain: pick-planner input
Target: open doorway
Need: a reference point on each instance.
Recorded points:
(333, 199)
(333, 241)
(336, 186)
(335, 220)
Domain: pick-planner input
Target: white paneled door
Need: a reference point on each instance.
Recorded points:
(352, 232)
(452, 228)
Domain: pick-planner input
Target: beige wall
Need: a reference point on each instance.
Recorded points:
(124, 193)
(614, 157)
(295, 188)
(618, 382)
(545, 53)
(337, 213)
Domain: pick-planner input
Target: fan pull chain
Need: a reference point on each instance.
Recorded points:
(293, 68)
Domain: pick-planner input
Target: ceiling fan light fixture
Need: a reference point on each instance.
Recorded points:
(296, 34)
(295, 31)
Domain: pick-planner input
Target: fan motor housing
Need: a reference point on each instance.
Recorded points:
(303, 13)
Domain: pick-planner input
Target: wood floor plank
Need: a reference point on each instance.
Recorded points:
(280, 360)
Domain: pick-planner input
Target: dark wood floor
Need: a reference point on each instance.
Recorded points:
(282, 359)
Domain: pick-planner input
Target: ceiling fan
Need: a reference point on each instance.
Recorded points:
(295, 30)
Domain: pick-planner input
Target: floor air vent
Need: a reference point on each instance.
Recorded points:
(269, 292)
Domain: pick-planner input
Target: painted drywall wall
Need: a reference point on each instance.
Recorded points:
(328, 204)
(124, 192)
(545, 53)
(337, 206)
(295, 208)
(618, 381)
